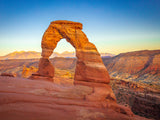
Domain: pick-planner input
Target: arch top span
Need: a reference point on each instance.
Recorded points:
(89, 66)
(71, 24)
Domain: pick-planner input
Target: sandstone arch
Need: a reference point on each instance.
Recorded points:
(89, 67)
(90, 70)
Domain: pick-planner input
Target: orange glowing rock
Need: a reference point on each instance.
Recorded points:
(89, 68)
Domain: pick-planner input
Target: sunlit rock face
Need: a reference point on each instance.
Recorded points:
(89, 68)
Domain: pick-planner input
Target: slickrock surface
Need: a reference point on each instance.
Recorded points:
(41, 100)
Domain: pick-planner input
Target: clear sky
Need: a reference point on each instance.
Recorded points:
(114, 26)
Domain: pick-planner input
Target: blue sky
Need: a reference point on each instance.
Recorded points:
(114, 26)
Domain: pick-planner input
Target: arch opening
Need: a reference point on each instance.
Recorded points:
(63, 47)
(64, 61)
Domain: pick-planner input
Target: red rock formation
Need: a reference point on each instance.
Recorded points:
(9, 74)
(141, 66)
(27, 72)
(90, 70)
(88, 58)
(45, 71)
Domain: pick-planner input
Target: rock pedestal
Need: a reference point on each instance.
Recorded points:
(45, 71)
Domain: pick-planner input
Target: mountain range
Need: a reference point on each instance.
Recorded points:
(33, 54)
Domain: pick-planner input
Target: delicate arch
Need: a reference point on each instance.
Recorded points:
(89, 67)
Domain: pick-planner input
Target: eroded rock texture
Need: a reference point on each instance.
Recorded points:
(40, 100)
(89, 68)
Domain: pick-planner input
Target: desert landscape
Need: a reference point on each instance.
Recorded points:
(141, 94)
(79, 60)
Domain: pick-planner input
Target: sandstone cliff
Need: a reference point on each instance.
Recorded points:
(140, 66)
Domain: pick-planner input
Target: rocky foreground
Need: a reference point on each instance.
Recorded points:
(41, 100)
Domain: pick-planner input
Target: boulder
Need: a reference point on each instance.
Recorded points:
(27, 72)
(9, 74)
